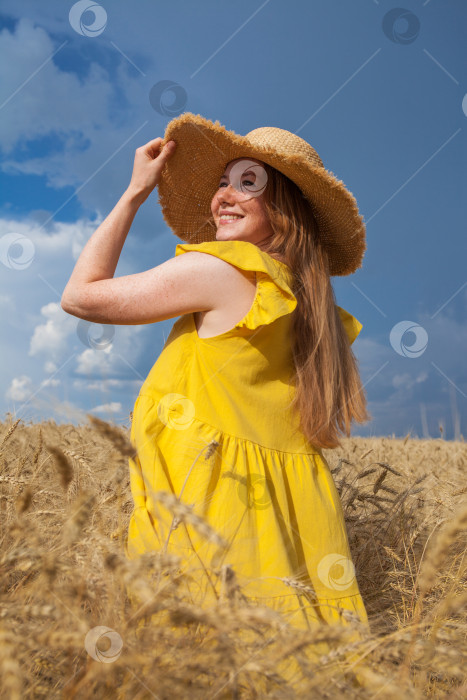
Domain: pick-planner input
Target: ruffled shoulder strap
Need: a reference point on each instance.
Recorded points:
(274, 296)
(351, 324)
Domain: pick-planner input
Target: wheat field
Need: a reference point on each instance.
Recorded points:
(65, 507)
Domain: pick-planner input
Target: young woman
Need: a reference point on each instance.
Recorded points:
(257, 374)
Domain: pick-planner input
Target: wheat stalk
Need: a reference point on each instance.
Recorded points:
(122, 444)
(64, 466)
(185, 513)
(437, 553)
(9, 433)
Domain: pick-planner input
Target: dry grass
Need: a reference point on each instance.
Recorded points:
(65, 507)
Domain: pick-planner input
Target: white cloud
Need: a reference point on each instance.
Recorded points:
(94, 141)
(55, 239)
(54, 101)
(51, 337)
(50, 382)
(397, 386)
(20, 388)
(106, 384)
(407, 380)
(113, 407)
(78, 111)
(116, 357)
(36, 327)
(93, 361)
(23, 390)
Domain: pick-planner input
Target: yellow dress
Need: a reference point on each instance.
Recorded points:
(211, 425)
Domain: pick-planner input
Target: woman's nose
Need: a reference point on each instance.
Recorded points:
(227, 193)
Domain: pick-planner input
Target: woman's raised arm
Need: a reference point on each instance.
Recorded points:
(99, 257)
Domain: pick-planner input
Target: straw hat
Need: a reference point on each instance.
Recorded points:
(191, 176)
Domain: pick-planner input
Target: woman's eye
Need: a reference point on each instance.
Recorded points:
(248, 182)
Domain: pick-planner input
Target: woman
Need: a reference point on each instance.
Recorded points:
(256, 377)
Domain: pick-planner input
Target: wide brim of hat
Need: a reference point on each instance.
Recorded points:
(191, 177)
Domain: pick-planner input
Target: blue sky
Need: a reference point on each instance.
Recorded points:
(379, 90)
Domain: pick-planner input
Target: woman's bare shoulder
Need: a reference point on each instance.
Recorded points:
(223, 270)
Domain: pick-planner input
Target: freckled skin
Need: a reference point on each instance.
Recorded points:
(254, 227)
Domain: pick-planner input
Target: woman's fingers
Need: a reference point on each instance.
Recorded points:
(168, 149)
(153, 147)
(149, 162)
(161, 155)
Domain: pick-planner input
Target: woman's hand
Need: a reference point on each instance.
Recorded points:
(147, 168)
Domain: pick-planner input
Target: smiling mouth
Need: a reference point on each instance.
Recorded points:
(230, 221)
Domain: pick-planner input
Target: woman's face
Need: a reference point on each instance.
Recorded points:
(240, 192)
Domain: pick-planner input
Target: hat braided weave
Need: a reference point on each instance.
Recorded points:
(191, 176)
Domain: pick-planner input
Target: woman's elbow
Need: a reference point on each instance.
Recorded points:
(68, 299)
(65, 301)
(67, 305)
(71, 305)
(76, 307)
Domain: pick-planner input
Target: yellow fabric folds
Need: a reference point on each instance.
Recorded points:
(351, 325)
(211, 424)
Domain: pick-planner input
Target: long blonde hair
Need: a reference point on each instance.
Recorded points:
(328, 390)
